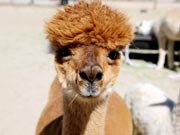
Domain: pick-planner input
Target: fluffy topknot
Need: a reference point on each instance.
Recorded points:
(89, 23)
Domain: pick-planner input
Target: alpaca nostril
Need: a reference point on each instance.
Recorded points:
(83, 75)
(99, 76)
(91, 73)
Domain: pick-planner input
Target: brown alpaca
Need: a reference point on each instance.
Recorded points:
(87, 37)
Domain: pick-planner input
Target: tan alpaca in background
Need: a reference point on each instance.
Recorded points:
(88, 37)
(167, 30)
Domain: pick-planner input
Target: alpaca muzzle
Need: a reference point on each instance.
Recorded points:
(91, 73)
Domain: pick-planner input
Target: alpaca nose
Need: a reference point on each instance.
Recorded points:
(91, 73)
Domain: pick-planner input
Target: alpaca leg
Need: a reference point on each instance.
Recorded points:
(127, 54)
(127, 59)
(162, 52)
(170, 54)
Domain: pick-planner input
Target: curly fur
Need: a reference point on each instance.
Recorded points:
(89, 23)
(153, 112)
(176, 117)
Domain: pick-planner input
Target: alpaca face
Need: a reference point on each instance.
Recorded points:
(144, 27)
(87, 71)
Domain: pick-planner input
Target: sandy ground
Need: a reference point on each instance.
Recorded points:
(27, 69)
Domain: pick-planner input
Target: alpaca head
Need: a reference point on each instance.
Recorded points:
(88, 37)
(144, 27)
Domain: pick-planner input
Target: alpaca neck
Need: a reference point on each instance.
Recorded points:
(82, 118)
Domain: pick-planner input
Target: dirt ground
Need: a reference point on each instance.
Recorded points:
(27, 68)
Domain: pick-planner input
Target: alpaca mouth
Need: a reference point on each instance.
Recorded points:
(90, 90)
(90, 93)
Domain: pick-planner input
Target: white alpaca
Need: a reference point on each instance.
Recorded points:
(144, 27)
(166, 30)
(152, 111)
(176, 117)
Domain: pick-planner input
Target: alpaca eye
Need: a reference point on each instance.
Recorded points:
(63, 54)
(113, 55)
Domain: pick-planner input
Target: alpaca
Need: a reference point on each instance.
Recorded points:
(144, 27)
(152, 111)
(127, 59)
(176, 117)
(87, 37)
(167, 30)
